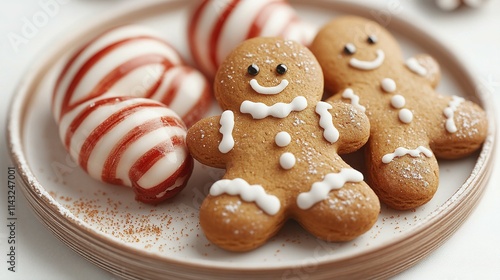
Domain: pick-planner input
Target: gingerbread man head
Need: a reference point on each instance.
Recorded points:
(279, 144)
(411, 124)
(268, 72)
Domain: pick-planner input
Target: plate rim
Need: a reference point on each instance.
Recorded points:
(38, 197)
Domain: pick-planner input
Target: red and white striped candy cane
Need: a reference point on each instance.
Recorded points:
(218, 26)
(135, 142)
(131, 61)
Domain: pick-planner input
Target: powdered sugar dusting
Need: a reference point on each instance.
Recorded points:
(415, 171)
(349, 199)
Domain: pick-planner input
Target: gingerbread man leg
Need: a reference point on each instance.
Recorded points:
(237, 216)
(340, 206)
(344, 215)
(403, 171)
(464, 128)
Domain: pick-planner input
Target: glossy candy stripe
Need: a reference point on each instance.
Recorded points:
(131, 61)
(217, 27)
(135, 142)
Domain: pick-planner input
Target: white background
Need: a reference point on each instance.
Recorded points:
(473, 252)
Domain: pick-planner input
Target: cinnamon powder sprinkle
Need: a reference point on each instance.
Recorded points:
(144, 226)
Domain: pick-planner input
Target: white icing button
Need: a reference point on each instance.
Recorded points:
(330, 132)
(388, 85)
(398, 101)
(287, 160)
(283, 139)
(405, 115)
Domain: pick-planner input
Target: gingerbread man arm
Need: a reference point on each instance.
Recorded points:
(462, 131)
(203, 140)
(352, 124)
(425, 66)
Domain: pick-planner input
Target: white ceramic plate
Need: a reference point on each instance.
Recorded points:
(108, 227)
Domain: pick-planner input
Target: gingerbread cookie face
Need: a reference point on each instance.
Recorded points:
(268, 73)
(411, 124)
(279, 144)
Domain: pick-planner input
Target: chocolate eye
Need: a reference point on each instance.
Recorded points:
(372, 39)
(281, 69)
(349, 48)
(253, 69)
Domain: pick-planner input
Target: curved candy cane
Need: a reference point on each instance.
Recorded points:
(134, 142)
(218, 26)
(131, 61)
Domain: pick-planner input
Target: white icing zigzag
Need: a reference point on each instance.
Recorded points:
(332, 181)
(249, 193)
(399, 152)
(226, 129)
(349, 94)
(331, 133)
(449, 112)
(279, 110)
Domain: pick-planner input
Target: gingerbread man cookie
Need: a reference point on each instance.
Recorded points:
(279, 144)
(410, 123)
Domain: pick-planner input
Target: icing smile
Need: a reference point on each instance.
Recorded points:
(368, 65)
(268, 90)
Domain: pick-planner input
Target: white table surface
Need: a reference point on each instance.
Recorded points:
(473, 252)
